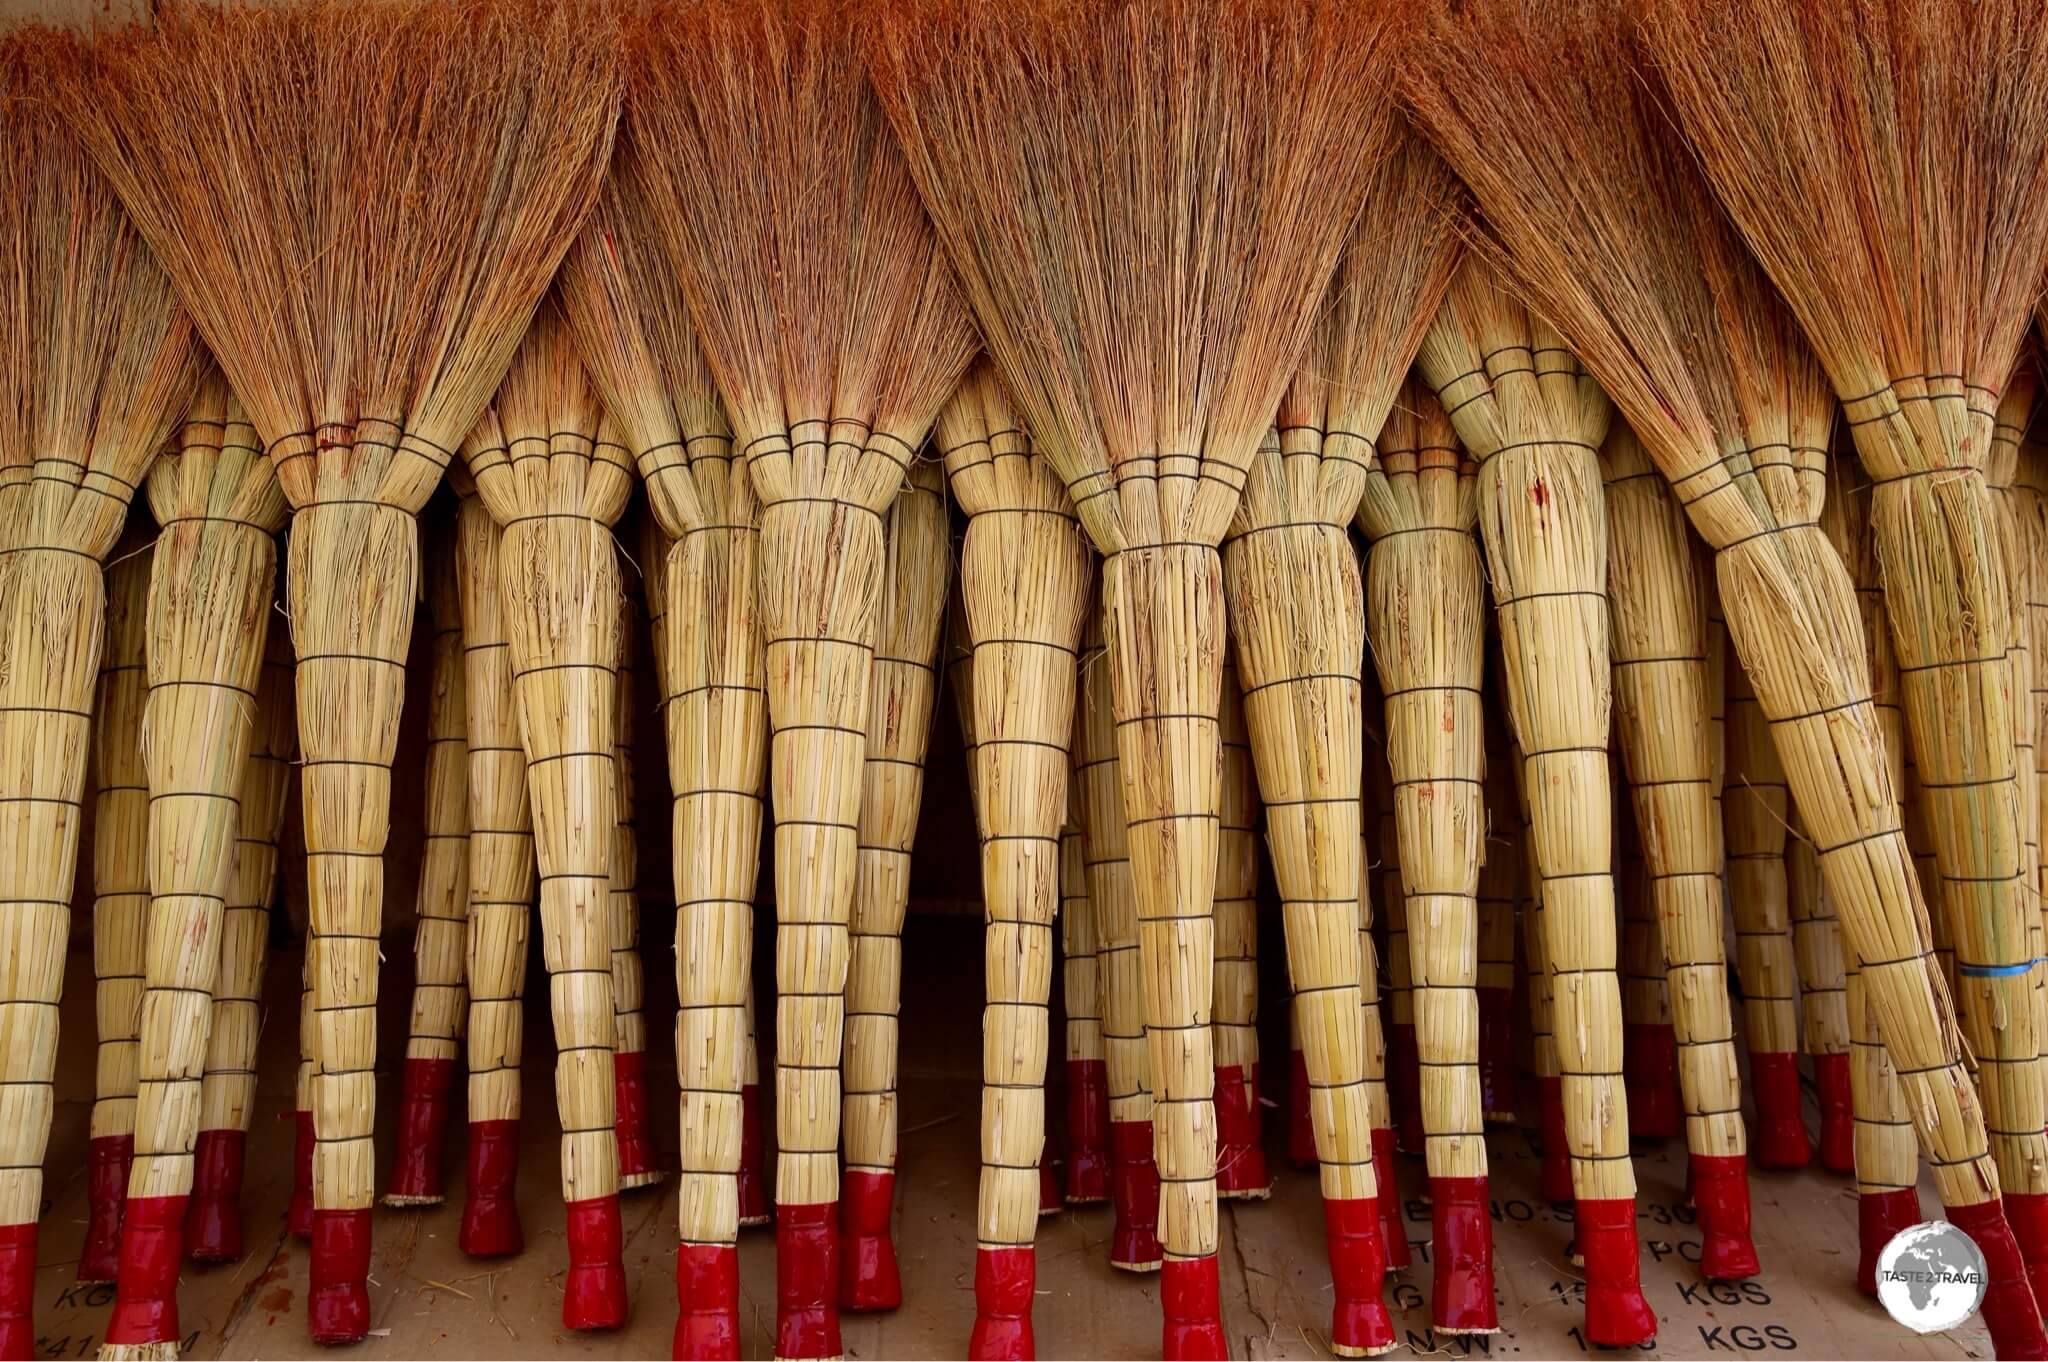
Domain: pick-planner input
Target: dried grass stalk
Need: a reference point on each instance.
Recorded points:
(440, 999)
(212, 578)
(363, 275)
(1685, 335)
(629, 987)
(835, 334)
(1025, 573)
(1531, 418)
(227, 1095)
(622, 291)
(120, 907)
(502, 884)
(1146, 334)
(902, 689)
(1914, 279)
(554, 476)
(97, 363)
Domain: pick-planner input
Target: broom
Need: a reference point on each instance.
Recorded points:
(1378, 876)
(902, 687)
(1680, 327)
(212, 579)
(1112, 890)
(1525, 412)
(1917, 299)
(1403, 1062)
(440, 1000)
(622, 292)
(1756, 812)
(1886, 1157)
(120, 881)
(502, 875)
(834, 334)
(363, 277)
(1426, 623)
(1665, 678)
(1146, 332)
(227, 1094)
(1234, 1025)
(1025, 572)
(97, 365)
(1553, 1140)
(629, 980)
(555, 480)
(1649, 1041)
(1500, 897)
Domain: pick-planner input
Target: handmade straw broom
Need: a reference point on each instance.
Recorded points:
(1553, 1140)
(1500, 899)
(1664, 680)
(834, 335)
(211, 584)
(622, 290)
(363, 275)
(120, 877)
(1402, 1068)
(1234, 1019)
(1823, 999)
(1708, 374)
(98, 364)
(1113, 892)
(902, 689)
(1375, 815)
(1025, 572)
(1756, 811)
(1426, 619)
(502, 885)
(1916, 296)
(555, 479)
(1886, 1156)
(227, 1095)
(1532, 420)
(440, 998)
(1204, 124)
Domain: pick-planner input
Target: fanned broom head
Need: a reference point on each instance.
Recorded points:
(1591, 206)
(1390, 280)
(621, 290)
(1147, 328)
(360, 202)
(1887, 160)
(825, 309)
(97, 359)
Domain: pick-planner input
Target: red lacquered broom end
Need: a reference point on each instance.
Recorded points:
(868, 1275)
(213, 1214)
(1781, 1140)
(1617, 1315)
(1359, 1323)
(1134, 1238)
(1193, 1320)
(422, 1133)
(146, 1293)
(17, 1292)
(1879, 1216)
(807, 1281)
(1462, 1299)
(594, 1292)
(490, 1211)
(2010, 1311)
(637, 1166)
(1240, 1156)
(1003, 1282)
(1837, 1113)
(338, 1299)
(299, 1218)
(708, 1292)
(1088, 1163)
(1720, 1192)
(107, 1161)
(1393, 1231)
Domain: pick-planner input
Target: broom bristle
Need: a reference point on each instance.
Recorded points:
(1162, 315)
(369, 257)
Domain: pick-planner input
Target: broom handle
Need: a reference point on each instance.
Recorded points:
(1241, 1166)
(351, 688)
(1862, 849)
(502, 874)
(1164, 627)
(629, 978)
(564, 681)
(1757, 810)
(1817, 944)
(716, 714)
(1025, 579)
